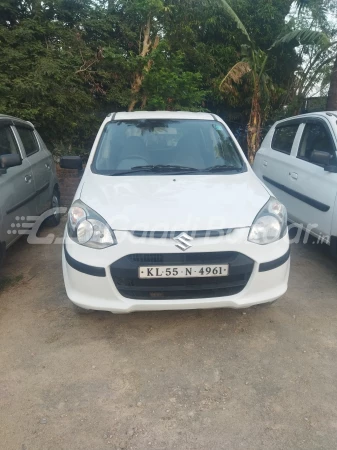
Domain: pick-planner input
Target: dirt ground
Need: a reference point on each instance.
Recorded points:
(262, 378)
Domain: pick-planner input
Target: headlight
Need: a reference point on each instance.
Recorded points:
(270, 224)
(88, 228)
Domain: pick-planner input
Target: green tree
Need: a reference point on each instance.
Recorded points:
(321, 10)
(169, 86)
(138, 61)
(252, 68)
(66, 63)
(38, 80)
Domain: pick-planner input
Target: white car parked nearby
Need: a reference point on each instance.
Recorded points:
(298, 161)
(169, 215)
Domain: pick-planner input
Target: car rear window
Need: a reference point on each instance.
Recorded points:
(283, 138)
(28, 139)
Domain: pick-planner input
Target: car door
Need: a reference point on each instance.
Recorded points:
(17, 200)
(275, 159)
(40, 163)
(313, 189)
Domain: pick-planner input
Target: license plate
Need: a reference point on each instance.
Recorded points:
(183, 271)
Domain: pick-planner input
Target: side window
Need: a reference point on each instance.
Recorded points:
(28, 139)
(315, 137)
(7, 141)
(283, 138)
(41, 141)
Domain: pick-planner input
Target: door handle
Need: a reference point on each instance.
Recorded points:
(47, 166)
(28, 178)
(293, 175)
(265, 163)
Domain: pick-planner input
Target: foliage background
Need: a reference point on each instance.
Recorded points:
(65, 64)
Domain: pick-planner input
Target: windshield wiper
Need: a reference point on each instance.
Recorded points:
(159, 168)
(128, 172)
(165, 168)
(223, 168)
(170, 168)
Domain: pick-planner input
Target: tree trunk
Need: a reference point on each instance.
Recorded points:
(254, 126)
(138, 78)
(332, 95)
(144, 101)
(135, 88)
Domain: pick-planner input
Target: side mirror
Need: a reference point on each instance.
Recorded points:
(10, 160)
(332, 169)
(71, 162)
(321, 158)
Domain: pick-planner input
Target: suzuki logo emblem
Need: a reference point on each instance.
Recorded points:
(183, 241)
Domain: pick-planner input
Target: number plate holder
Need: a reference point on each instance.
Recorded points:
(193, 271)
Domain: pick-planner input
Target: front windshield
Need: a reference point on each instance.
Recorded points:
(143, 146)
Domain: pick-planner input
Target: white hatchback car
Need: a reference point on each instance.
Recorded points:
(169, 215)
(298, 161)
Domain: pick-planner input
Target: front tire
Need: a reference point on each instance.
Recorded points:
(55, 218)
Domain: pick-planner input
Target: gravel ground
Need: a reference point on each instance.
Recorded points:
(262, 378)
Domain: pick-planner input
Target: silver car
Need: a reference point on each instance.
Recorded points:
(28, 181)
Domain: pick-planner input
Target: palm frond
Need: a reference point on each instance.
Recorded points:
(232, 14)
(302, 37)
(311, 79)
(300, 4)
(319, 8)
(234, 76)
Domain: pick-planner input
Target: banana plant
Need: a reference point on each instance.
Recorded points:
(252, 69)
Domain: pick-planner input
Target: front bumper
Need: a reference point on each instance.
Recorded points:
(91, 281)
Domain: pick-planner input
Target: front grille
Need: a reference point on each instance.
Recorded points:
(125, 276)
(173, 234)
(151, 258)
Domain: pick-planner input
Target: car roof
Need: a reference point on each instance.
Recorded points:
(161, 115)
(326, 114)
(16, 119)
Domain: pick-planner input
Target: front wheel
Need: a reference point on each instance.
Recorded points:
(55, 218)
